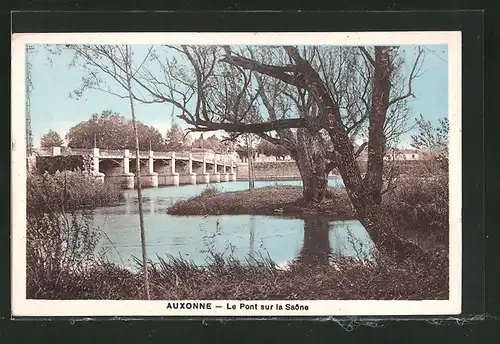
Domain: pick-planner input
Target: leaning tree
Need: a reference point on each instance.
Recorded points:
(336, 97)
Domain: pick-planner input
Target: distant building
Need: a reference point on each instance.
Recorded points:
(403, 154)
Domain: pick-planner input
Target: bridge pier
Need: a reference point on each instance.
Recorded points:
(175, 175)
(215, 177)
(127, 178)
(204, 177)
(150, 179)
(191, 174)
(225, 175)
(232, 173)
(99, 176)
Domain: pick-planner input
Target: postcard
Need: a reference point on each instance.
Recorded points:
(236, 174)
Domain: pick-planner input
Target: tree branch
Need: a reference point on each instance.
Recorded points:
(410, 81)
(278, 72)
(253, 128)
(367, 55)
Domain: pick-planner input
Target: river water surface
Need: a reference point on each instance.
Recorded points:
(243, 236)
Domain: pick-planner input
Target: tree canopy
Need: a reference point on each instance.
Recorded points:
(51, 139)
(212, 142)
(271, 149)
(109, 130)
(175, 139)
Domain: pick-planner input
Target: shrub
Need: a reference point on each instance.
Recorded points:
(63, 191)
(420, 202)
(209, 191)
(57, 243)
(60, 235)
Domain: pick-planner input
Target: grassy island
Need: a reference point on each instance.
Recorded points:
(273, 200)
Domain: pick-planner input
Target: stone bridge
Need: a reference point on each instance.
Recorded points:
(157, 168)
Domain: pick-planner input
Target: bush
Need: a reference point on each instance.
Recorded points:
(60, 235)
(57, 243)
(420, 202)
(64, 191)
(209, 191)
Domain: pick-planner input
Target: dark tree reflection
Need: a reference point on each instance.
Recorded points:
(316, 248)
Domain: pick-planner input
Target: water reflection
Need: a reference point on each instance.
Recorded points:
(311, 241)
(325, 239)
(316, 244)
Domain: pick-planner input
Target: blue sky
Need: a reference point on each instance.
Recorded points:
(51, 107)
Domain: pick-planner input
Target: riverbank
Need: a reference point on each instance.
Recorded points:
(417, 204)
(274, 200)
(226, 279)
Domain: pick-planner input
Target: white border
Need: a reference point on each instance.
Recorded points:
(23, 307)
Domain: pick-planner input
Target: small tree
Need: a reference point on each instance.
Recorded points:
(174, 137)
(433, 140)
(51, 139)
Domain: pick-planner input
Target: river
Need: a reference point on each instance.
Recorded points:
(242, 236)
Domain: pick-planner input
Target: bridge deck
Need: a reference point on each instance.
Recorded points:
(120, 154)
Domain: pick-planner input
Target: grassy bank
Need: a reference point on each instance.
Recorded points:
(61, 249)
(272, 200)
(174, 279)
(60, 233)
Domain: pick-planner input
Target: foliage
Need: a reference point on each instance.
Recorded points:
(259, 278)
(112, 131)
(211, 142)
(60, 235)
(269, 149)
(430, 137)
(51, 139)
(67, 191)
(52, 164)
(420, 201)
(57, 242)
(433, 140)
(209, 191)
(174, 139)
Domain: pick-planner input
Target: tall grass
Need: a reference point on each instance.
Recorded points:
(223, 277)
(68, 190)
(60, 235)
(420, 202)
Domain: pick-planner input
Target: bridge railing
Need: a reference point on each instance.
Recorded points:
(43, 151)
(182, 155)
(111, 153)
(163, 155)
(142, 154)
(118, 153)
(76, 151)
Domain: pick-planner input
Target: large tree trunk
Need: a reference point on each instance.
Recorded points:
(376, 137)
(365, 194)
(364, 197)
(310, 158)
(314, 179)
